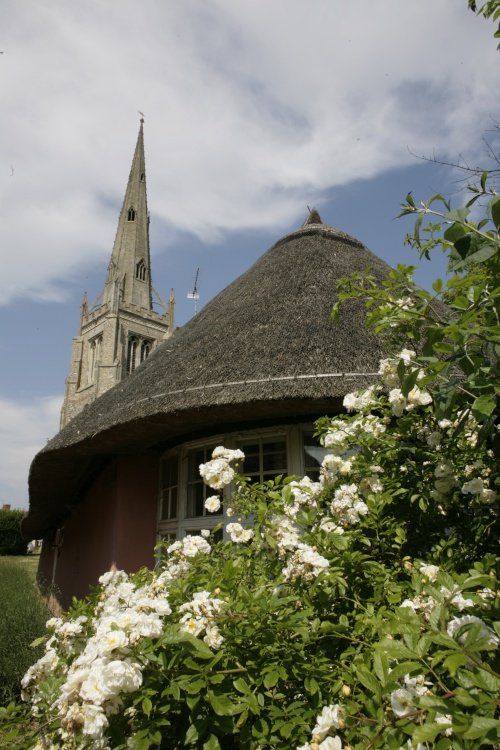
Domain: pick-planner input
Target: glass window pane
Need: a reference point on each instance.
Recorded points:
(265, 459)
(252, 449)
(169, 485)
(314, 454)
(195, 500)
(251, 464)
(274, 462)
(169, 472)
(195, 458)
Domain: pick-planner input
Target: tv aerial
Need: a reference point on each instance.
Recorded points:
(195, 295)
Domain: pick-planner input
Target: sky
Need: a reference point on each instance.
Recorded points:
(254, 110)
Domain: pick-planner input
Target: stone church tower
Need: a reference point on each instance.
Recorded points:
(120, 331)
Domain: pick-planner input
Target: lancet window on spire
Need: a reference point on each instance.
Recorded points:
(131, 354)
(145, 349)
(131, 214)
(94, 354)
(138, 349)
(140, 270)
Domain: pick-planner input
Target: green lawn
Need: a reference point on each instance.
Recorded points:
(29, 563)
(23, 618)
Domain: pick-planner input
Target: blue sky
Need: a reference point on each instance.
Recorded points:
(254, 110)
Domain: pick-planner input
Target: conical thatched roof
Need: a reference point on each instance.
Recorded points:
(264, 349)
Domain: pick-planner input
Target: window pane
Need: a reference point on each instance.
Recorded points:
(250, 450)
(265, 459)
(169, 504)
(169, 488)
(197, 490)
(274, 461)
(169, 472)
(251, 465)
(314, 454)
(195, 458)
(195, 499)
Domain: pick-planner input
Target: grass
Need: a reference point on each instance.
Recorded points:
(23, 619)
(29, 563)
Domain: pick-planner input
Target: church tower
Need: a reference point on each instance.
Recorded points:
(122, 328)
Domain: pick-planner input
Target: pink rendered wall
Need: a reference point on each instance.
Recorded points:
(137, 512)
(114, 524)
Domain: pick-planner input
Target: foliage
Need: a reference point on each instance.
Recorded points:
(342, 614)
(456, 329)
(360, 611)
(11, 541)
(23, 619)
(488, 9)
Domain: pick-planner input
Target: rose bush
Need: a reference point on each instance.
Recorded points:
(360, 611)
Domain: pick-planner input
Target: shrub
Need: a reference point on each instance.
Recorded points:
(11, 540)
(22, 620)
(357, 612)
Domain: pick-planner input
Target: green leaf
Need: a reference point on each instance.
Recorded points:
(191, 735)
(270, 679)
(454, 233)
(260, 728)
(465, 697)
(486, 251)
(458, 214)
(286, 730)
(454, 661)
(426, 732)
(482, 726)
(484, 405)
(175, 690)
(495, 212)
(196, 646)
(147, 706)
(461, 302)
(38, 641)
(222, 705)
(396, 650)
(212, 743)
(368, 680)
(241, 686)
(193, 687)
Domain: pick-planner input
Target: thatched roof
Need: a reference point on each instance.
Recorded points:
(264, 349)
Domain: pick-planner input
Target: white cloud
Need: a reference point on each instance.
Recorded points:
(252, 109)
(24, 430)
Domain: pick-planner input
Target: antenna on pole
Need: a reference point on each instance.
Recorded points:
(195, 295)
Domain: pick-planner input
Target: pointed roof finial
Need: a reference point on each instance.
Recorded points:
(313, 218)
(84, 307)
(142, 116)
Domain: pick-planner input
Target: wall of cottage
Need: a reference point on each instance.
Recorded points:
(115, 524)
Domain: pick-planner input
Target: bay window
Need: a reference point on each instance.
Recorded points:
(268, 453)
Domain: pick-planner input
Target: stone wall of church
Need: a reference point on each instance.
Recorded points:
(100, 354)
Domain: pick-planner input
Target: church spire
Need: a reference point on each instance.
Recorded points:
(129, 271)
(118, 333)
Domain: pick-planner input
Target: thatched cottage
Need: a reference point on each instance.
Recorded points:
(253, 369)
